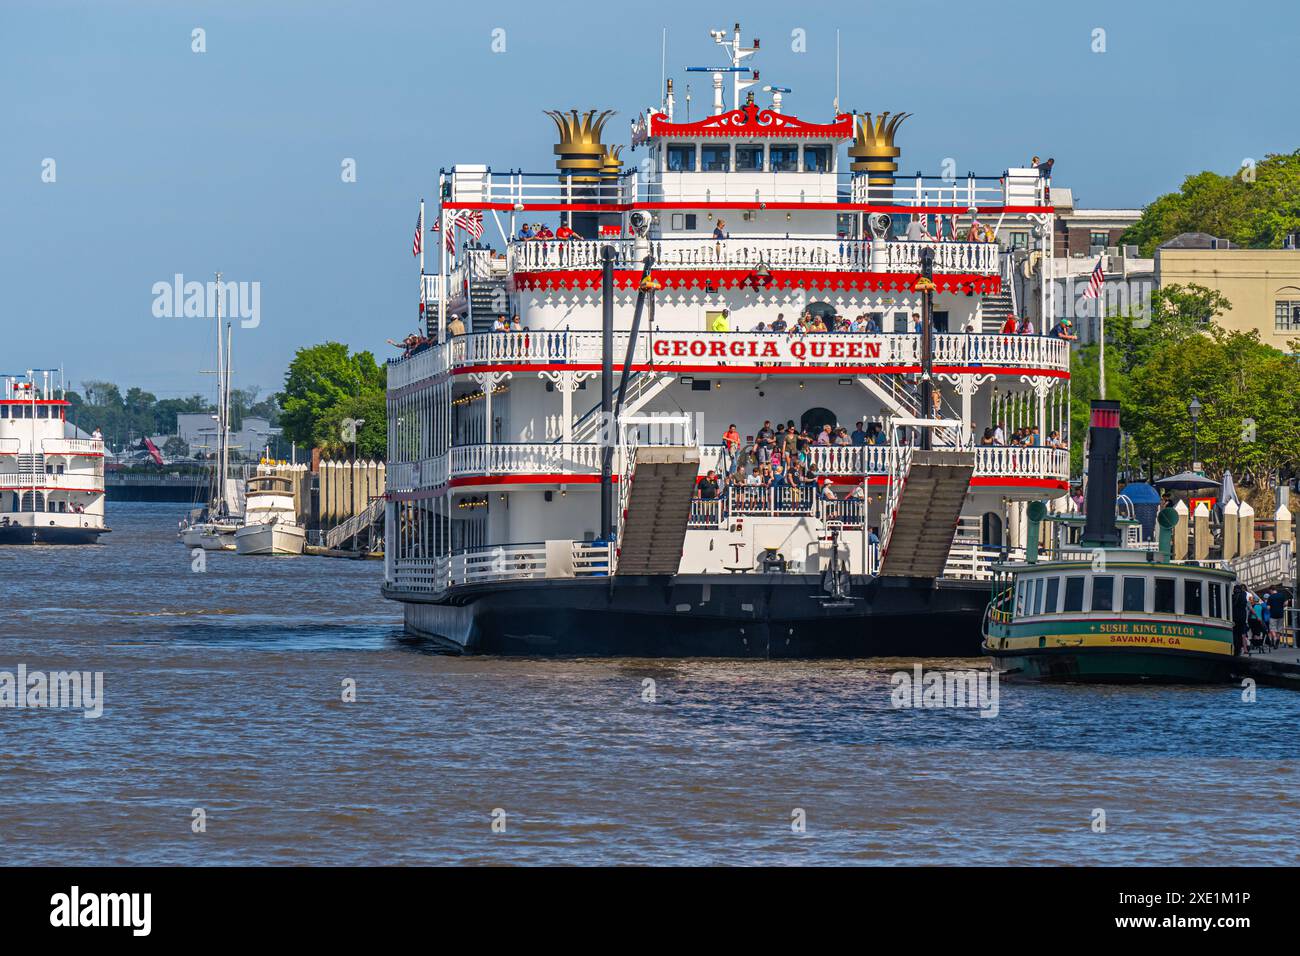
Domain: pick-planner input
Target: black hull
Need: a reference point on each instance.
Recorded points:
(16, 534)
(750, 616)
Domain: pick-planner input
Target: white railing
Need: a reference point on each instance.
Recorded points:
(72, 446)
(1272, 566)
(1014, 461)
(525, 458)
(973, 561)
(743, 252)
(1024, 187)
(665, 348)
(756, 501)
(591, 560)
(68, 481)
(498, 563)
(848, 459)
(584, 458)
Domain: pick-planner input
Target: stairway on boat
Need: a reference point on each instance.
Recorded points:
(926, 512)
(658, 507)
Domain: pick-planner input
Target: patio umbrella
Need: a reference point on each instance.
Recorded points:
(1187, 481)
(1229, 492)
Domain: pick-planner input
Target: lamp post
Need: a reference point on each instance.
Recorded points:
(1194, 409)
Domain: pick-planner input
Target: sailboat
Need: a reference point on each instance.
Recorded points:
(213, 527)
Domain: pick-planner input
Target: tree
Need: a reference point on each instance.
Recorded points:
(176, 447)
(371, 437)
(1255, 207)
(318, 387)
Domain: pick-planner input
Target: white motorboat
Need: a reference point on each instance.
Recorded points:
(270, 518)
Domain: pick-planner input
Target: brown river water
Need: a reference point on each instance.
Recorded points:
(223, 693)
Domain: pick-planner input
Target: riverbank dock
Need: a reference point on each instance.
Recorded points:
(1277, 668)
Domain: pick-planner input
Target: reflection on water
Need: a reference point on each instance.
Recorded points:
(224, 692)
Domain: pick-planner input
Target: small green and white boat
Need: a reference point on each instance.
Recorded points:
(1101, 611)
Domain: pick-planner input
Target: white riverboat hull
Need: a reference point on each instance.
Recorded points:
(264, 539)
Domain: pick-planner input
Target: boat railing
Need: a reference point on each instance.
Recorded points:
(669, 348)
(474, 186)
(752, 252)
(755, 501)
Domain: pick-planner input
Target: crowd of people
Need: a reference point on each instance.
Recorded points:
(1027, 436)
(1257, 618)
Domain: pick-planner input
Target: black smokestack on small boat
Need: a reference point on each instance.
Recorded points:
(1103, 475)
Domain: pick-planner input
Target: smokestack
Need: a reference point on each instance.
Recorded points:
(1103, 475)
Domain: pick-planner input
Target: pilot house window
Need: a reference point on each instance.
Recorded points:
(681, 158)
(1135, 594)
(1164, 603)
(715, 159)
(816, 159)
(1103, 594)
(749, 159)
(784, 159)
(1192, 597)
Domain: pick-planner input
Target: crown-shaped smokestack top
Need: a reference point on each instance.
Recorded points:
(611, 164)
(873, 151)
(580, 151)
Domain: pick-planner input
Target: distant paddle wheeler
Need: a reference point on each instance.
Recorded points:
(1099, 611)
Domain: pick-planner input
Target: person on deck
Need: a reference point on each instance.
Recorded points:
(564, 232)
(1063, 330)
(1240, 618)
(1010, 325)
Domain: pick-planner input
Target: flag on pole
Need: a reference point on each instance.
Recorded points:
(1094, 283)
(418, 246)
(471, 220)
(437, 227)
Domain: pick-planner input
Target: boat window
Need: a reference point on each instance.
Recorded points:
(1036, 605)
(749, 159)
(1020, 598)
(681, 157)
(1073, 594)
(1135, 594)
(1192, 601)
(784, 159)
(1103, 594)
(1053, 589)
(1164, 602)
(715, 159)
(1216, 600)
(816, 159)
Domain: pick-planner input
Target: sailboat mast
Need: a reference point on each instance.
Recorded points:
(219, 471)
(225, 445)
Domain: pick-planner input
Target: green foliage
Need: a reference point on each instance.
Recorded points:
(1250, 392)
(125, 418)
(325, 384)
(1258, 213)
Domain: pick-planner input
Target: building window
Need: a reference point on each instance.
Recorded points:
(784, 159)
(749, 159)
(816, 159)
(681, 157)
(1286, 315)
(715, 159)
(1098, 240)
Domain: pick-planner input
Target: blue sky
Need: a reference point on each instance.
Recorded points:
(170, 161)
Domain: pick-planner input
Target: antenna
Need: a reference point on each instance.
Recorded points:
(663, 66)
(836, 105)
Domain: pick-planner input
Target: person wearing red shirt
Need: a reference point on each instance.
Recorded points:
(564, 232)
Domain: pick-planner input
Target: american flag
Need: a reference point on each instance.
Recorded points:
(1095, 283)
(471, 220)
(437, 227)
(418, 246)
